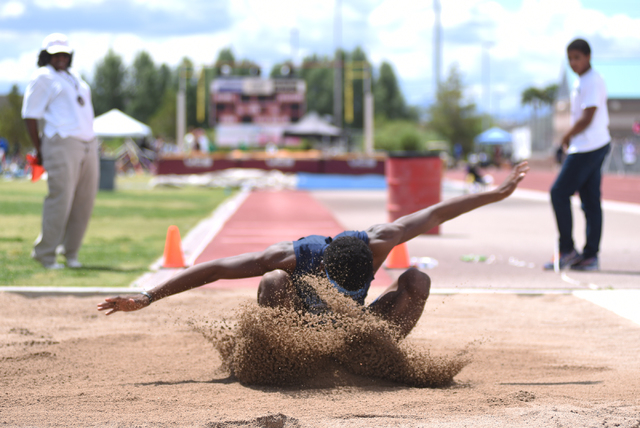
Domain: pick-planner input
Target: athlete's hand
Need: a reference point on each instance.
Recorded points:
(511, 182)
(124, 304)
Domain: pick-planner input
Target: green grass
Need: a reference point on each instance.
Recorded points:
(126, 234)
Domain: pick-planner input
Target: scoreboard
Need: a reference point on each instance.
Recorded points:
(254, 111)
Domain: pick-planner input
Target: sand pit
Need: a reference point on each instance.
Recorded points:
(544, 361)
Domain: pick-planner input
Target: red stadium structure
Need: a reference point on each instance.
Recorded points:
(254, 112)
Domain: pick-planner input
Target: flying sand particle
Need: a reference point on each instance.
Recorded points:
(276, 346)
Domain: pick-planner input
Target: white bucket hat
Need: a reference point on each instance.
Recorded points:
(56, 43)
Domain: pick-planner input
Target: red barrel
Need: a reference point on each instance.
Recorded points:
(414, 183)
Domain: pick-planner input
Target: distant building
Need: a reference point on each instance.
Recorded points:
(253, 111)
(623, 90)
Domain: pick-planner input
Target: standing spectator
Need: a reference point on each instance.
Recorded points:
(586, 144)
(4, 149)
(457, 153)
(67, 149)
(189, 142)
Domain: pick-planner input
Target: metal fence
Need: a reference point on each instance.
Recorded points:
(623, 158)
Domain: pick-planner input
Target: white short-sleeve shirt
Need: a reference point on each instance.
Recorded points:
(53, 96)
(590, 91)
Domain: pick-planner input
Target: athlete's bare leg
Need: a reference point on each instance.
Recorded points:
(276, 290)
(403, 301)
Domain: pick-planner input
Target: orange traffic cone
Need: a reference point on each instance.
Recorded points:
(398, 258)
(173, 249)
(36, 170)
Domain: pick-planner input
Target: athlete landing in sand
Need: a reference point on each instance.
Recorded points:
(349, 261)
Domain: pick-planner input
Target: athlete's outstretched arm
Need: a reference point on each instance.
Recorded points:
(384, 237)
(277, 256)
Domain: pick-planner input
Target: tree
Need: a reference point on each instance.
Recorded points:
(401, 135)
(452, 118)
(247, 67)
(107, 90)
(389, 101)
(226, 65)
(163, 121)
(165, 79)
(538, 98)
(186, 71)
(283, 69)
(225, 58)
(144, 88)
(535, 96)
(11, 124)
(317, 73)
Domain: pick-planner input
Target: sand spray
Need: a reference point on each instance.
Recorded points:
(278, 346)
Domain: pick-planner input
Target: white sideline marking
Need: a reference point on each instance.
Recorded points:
(35, 290)
(567, 278)
(625, 303)
(499, 291)
(540, 196)
(194, 243)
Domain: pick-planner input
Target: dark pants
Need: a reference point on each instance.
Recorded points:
(581, 172)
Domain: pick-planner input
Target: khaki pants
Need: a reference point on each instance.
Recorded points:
(73, 171)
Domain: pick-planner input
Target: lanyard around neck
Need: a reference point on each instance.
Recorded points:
(75, 83)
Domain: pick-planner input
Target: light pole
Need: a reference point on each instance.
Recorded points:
(486, 81)
(337, 67)
(295, 40)
(181, 110)
(437, 45)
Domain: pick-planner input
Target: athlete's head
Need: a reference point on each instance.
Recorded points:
(579, 55)
(349, 262)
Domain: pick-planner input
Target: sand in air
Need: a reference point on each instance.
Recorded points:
(277, 346)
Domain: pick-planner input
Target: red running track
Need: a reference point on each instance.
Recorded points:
(267, 217)
(614, 187)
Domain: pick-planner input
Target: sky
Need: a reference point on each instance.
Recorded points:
(501, 47)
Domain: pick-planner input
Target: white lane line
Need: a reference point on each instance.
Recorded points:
(199, 237)
(567, 278)
(194, 242)
(540, 196)
(499, 291)
(48, 290)
(625, 303)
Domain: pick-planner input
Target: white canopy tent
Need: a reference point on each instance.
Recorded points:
(114, 124)
(312, 125)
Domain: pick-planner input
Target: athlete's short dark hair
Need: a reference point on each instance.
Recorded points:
(349, 262)
(44, 58)
(579, 45)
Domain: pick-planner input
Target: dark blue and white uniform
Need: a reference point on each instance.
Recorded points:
(309, 256)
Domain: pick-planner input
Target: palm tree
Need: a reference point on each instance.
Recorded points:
(537, 98)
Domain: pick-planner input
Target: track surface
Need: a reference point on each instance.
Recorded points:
(267, 217)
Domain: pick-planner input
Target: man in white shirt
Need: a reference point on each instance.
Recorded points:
(586, 145)
(68, 150)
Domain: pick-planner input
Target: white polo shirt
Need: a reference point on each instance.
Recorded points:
(53, 96)
(590, 91)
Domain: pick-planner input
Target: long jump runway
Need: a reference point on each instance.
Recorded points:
(267, 217)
